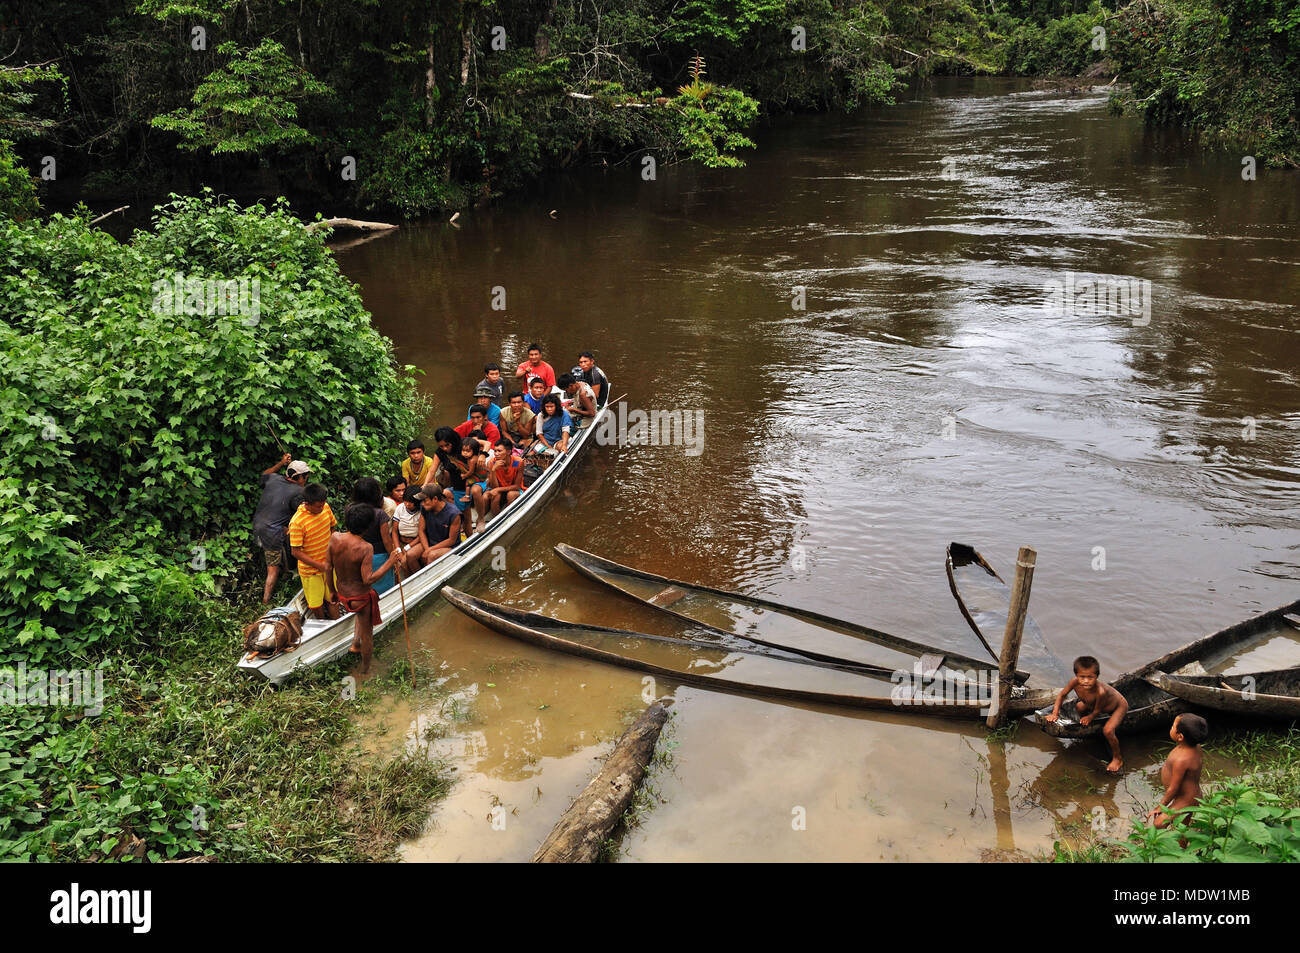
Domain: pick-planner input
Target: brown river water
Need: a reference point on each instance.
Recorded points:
(925, 393)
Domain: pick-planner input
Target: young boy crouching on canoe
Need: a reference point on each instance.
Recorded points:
(351, 557)
(1095, 700)
(1181, 772)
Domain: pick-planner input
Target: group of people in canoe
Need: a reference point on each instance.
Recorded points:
(392, 530)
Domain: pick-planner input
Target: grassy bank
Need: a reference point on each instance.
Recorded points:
(190, 758)
(1252, 817)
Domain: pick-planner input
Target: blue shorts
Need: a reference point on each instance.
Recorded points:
(386, 581)
(462, 499)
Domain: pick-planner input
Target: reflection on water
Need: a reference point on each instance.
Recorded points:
(923, 395)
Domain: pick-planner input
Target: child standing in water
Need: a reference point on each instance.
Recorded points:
(1181, 772)
(1096, 699)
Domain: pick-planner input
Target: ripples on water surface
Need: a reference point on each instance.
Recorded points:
(827, 480)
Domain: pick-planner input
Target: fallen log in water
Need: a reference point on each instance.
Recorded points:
(582, 829)
(352, 223)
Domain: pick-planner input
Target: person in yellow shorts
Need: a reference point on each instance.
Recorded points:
(309, 538)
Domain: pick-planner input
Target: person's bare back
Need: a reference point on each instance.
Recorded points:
(1181, 772)
(354, 576)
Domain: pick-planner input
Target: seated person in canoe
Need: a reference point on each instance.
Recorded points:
(505, 478)
(439, 523)
(553, 427)
(579, 399)
(483, 398)
(493, 382)
(409, 538)
(536, 367)
(593, 375)
(417, 469)
(477, 421)
(517, 422)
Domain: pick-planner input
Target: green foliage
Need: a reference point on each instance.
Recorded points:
(1061, 47)
(1227, 68)
(709, 121)
(17, 186)
(1235, 823)
(158, 420)
(247, 106)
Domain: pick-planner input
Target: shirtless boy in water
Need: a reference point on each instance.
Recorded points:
(1096, 699)
(350, 557)
(1181, 772)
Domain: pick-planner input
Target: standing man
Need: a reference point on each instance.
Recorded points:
(279, 501)
(351, 557)
(536, 367)
(417, 469)
(309, 536)
(594, 376)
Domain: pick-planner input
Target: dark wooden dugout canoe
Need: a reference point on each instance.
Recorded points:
(528, 626)
(985, 600)
(697, 604)
(1273, 694)
(1152, 708)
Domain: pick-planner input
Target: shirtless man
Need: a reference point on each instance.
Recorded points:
(1181, 772)
(350, 557)
(1096, 698)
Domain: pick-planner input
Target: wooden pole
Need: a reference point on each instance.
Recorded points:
(1025, 562)
(401, 594)
(582, 829)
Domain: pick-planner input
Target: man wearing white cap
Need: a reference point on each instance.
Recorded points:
(280, 499)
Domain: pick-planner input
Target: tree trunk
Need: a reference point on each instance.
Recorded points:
(582, 829)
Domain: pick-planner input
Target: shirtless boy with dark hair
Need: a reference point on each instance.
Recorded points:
(350, 556)
(1181, 772)
(1096, 698)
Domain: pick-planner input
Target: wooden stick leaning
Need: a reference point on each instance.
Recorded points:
(401, 593)
(1016, 612)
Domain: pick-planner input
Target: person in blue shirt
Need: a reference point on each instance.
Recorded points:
(553, 426)
(483, 398)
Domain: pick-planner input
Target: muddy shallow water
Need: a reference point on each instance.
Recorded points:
(923, 394)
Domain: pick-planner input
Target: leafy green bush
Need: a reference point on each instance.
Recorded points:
(1233, 823)
(1227, 68)
(132, 432)
(17, 186)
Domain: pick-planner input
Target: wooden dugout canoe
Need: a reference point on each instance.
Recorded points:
(704, 607)
(1151, 707)
(324, 640)
(573, 638)
(1273, 694)
(984, 600)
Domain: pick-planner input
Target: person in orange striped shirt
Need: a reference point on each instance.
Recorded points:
(309, 538)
